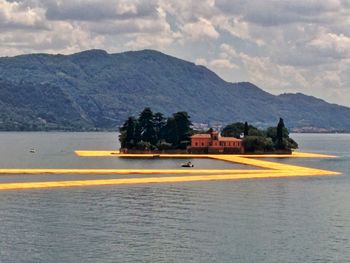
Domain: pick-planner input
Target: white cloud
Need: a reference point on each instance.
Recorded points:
(25, 29)
(199, 30)
(277, 13)
(201, 61)
(143, 34)
(189, 10)
(94, 10)
(146, 41)
(333, 45)
(228, 50)
(13, 16)
(222, 63)
(237, 27)
(290, 45)
(272, 76)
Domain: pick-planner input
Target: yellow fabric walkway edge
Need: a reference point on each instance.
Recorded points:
(273, 170)
(124, 181)
(44, 171)
(94, 153)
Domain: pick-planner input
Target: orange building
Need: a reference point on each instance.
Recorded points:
(214, 143)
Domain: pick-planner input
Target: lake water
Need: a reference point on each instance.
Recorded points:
(264, 220)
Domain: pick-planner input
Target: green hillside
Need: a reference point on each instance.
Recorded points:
(94, 89)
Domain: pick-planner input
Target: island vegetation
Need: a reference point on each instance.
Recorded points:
(273, 139)
(152, 132)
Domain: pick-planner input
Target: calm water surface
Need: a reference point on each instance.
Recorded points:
(265, 220)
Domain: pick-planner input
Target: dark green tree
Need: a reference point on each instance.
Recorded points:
(246, 129)
(279, 134)
(178, 130)
(233, 130)
(171, 133)
(257, 144)
(144, 146)
(127, 133)
(159, 126)
(271, 132)
(209, 131)
(237, 128)
(291, 144)
(183, 125)
(286, 143)
(146, 122)
(138, 133)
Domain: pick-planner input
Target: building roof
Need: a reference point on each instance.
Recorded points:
(201, 135)
(222, 139)
(231, 139)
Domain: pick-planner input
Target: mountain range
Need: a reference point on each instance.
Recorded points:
(96, 90)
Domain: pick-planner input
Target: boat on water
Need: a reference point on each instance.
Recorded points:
(32, 150)
(188, 164)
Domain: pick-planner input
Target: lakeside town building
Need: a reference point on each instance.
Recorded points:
(214, 143)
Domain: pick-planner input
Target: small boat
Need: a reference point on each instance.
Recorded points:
(188, 164)
(32, 150)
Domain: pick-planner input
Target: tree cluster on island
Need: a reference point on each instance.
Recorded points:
(257, 140)
(154, 132)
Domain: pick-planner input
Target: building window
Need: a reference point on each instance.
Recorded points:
(202, 143)
(196, 144)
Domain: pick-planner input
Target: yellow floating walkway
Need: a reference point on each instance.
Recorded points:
(128, 171)
(123, 181)
(273, 170)
(94, 153)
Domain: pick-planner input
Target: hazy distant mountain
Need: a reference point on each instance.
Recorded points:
(94, 89)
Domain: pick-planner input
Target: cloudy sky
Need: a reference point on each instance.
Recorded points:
(281, 46)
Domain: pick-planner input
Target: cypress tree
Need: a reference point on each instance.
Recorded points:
(183, 125)
(280, 127)
(246, 129)
(127, 133)
(171, 132)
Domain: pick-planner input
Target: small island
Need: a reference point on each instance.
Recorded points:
(156, 134)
